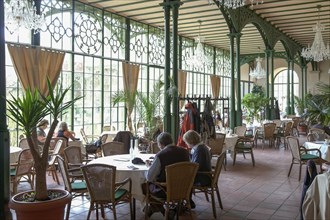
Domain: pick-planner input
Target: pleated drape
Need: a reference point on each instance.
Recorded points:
(34, 65)
(182, 82)
(215, 83)
(130, 77)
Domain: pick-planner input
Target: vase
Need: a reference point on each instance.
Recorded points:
(50, 209)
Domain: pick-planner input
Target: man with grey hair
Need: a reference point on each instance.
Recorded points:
(168, 155)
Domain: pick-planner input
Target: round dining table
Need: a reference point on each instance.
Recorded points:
(125, 168)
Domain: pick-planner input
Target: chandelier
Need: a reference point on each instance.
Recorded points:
(258, 72)
(237, 3)
(19, 13)
(318, 51)
(199, 58)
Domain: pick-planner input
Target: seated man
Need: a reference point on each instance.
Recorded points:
(168, 155)
(201, 155)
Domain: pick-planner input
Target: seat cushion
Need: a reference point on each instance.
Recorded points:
(78, 185)
(308, 157)
(119, 193)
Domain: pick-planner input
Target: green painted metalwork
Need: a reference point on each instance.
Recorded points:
(238, 83)
(247, 58)
(232, 117)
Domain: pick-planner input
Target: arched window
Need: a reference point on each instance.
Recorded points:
(281, 88)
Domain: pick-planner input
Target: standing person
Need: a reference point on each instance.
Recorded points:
(64, 132)
(201, 155)
(41, 127)
(168, 155)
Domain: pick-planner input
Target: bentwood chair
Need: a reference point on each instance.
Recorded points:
(112, 148)
(51, 162)
(295, 124)
(244, 146)
(88, 138)
(179, 181)
(283, 134)
(300, 155)
(269, 134)
(75, 188)
(213, 187)
(103, 189)
(240, 131)
(74, 160)
(22, 169)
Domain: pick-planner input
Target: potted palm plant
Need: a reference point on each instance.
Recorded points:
(28, 111)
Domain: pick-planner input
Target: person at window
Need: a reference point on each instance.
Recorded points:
(200, 153)
(64, 132)
(168, 155)
(41, 127)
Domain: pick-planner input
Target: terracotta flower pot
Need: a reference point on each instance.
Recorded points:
(51, 209)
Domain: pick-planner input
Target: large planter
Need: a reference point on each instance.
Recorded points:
(51, 209)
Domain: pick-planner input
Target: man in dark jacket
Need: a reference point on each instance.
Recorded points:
(168, 155)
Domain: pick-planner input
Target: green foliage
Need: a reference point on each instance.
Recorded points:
(254, 102)
(300, 104)
(318, 106)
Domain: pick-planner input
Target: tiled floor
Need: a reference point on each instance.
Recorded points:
(247, 192)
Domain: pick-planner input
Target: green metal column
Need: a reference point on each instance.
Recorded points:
(302, 82)
(232, 116)
(238, 85)
(4, 133)
(167, 71)
(288, 109)
(292, 88)
(267, 51)
(272, 79)
(35, 39)
(305, 80)
(175, 104)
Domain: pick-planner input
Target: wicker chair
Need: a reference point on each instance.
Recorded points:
(113, 148)
(103, 189)
(283, 134)
(23, 144)
(75, 188)
(179, 181)
(153, 148)
(317, 134)
(214, 184)
(51, 162)
(300, 154)
(216, 144)
(88, 138)
(295, 124)
(240, 131)
(268, 134)
(23, 169)
(74, 160)
(244, 146)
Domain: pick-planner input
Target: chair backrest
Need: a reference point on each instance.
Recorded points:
(125, 137)
(293, 143)
(240, 130)
(295, 121)
(65, 176)
(100, 180)
(84, 136)
(23, 143)
(216, 144)
(287, 129)
(179, 180)
(269, 129)
(113, 148)
(73, 155)
(153, 147)
(56, 152)
(25, 163)
(317, 133)
(218, 167)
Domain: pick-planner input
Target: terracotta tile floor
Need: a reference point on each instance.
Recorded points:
(247, 192)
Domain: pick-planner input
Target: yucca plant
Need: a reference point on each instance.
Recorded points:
(28, 111)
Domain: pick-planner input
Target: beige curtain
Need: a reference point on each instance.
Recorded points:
(182, 82)
(215, 83)
(130, 77)
(34, 65)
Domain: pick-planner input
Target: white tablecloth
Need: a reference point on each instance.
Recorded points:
(14, 153)
(122, 163)
(324, 148)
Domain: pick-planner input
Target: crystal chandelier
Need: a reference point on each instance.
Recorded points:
(237, 3)
(20, 13)
(318, 51)
(199, 58)
(258, 72)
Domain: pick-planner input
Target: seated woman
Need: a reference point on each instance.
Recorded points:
(64, 132)
(201, 155)
(41, 134)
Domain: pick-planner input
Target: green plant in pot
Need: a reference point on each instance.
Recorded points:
(254, 102)
(28, 111)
